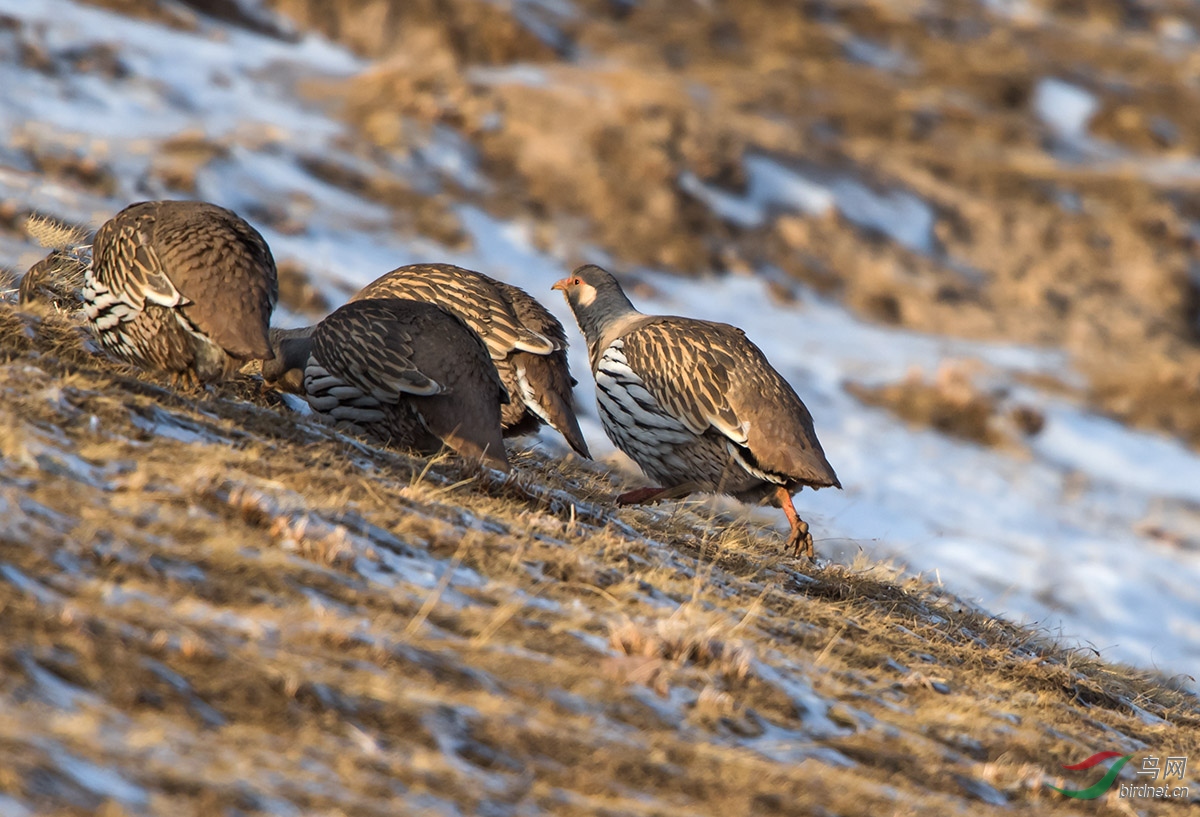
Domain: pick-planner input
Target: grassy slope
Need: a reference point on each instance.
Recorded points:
(268, 616)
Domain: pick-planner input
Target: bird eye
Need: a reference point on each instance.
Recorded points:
(576, 282)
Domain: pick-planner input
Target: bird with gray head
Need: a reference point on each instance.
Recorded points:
(58, 278)
(401, 373)
(527, 344)
(695, 404)
(181, 287)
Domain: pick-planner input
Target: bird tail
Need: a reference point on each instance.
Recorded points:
(470, 427)
(551, 398)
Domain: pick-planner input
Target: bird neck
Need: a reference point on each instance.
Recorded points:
(617, 327)
(295, 351)
(292, 348)
(605, 318)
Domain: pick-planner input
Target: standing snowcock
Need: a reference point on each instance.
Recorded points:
(696, 405)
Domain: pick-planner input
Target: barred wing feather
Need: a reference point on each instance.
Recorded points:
(710, 376)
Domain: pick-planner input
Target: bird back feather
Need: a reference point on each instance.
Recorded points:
(711, 376)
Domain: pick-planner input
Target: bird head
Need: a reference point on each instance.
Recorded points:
(291, 348)
(596, 298)
(587, 284)
(580, 286)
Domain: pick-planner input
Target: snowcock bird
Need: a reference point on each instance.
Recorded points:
(695, 404)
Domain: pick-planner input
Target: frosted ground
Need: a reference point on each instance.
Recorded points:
(1092, 533)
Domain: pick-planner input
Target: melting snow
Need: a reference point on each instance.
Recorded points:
(876, 55)
(98, 780)
(165, 424)
(34, 588)
(1065, 108)
(771, 185)
(11, 807)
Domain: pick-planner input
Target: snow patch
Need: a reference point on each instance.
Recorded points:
(1066, 109)
(772, 186)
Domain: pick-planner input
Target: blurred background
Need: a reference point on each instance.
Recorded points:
(967, 232)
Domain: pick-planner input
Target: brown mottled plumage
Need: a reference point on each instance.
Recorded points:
(402, 373)
(182, 287)
(695, 404)
(526, 343)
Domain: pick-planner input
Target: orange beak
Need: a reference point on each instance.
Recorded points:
(562, 285)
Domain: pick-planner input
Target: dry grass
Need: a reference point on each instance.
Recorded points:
(953, 404)
(54, 234)
(213, 606)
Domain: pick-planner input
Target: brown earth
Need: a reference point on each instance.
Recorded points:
(952, 403)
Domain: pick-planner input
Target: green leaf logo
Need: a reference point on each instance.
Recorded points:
(1100, 786)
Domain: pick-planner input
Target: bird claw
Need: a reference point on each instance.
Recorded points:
(801, 541)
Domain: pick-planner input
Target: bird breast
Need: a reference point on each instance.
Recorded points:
(631, 415)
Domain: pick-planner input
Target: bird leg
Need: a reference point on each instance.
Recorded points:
(799, 539)
(640, 496)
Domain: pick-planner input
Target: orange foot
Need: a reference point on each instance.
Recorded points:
(799, 539)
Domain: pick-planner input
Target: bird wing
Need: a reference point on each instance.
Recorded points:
(709, 376)
(125, 261)
(224, 270)
(369, 351)
(687, 378)
(545, 377)
(534, 318)
(471, 296)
